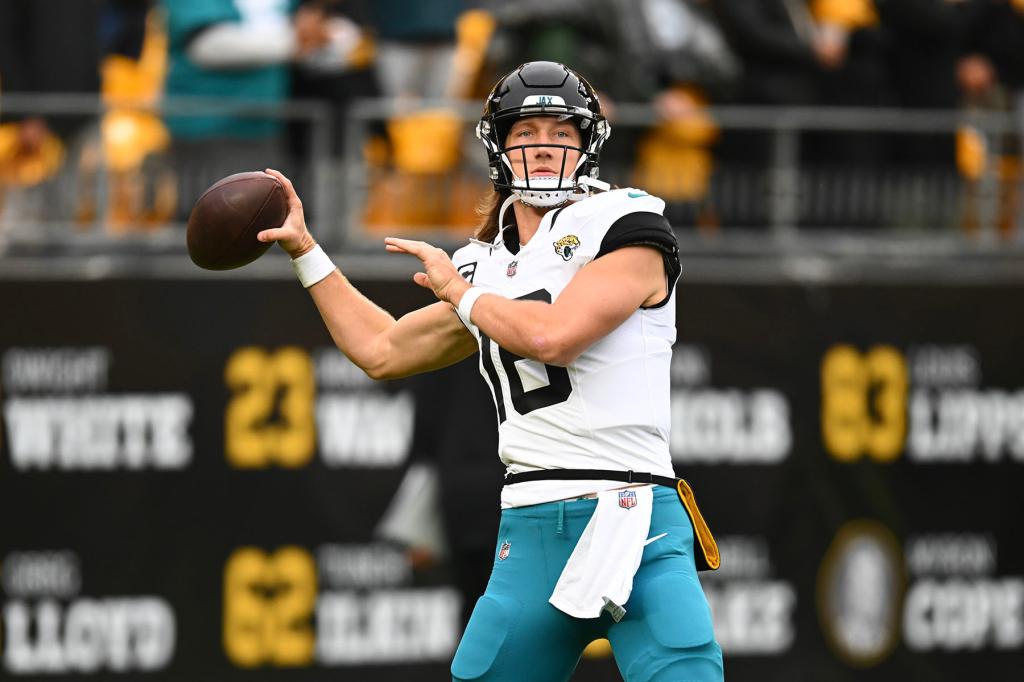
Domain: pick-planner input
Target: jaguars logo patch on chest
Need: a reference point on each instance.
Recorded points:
(566, 246)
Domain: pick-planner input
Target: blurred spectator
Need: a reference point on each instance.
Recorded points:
(426, 52)
(924, 39)
(1015, 76)
(46, 46)
(339, 72)
(783, 55)
(669, 53)
(992, 52)
(781, 49)
(694, 66)
(990, 75)
(232, 51)
(416, 46)
(851, 51)
(123, 27)
(336, 74)
(141, 192)
(635, 49)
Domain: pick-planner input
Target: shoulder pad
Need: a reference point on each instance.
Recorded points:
(601, 210)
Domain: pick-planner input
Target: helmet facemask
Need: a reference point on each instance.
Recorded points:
(582, 108)
(544, 191)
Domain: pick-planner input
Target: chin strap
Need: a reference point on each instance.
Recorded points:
(587, 183)
(499, 241)
(512, 198)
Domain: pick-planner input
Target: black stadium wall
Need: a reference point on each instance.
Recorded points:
(192, 481)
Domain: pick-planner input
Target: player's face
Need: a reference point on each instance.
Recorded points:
(543, 161)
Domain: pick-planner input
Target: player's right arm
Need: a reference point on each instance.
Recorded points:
(425, 339)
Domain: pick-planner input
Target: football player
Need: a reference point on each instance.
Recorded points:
(567, 292)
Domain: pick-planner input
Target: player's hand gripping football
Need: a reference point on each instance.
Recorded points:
(293, 235)
(439, 273)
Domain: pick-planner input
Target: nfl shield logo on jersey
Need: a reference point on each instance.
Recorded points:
(506, 547)
(511, 272)
(627, 499)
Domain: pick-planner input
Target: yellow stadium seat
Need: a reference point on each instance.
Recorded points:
(850, 14)
(20, 169)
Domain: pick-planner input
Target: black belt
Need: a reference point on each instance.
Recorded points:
(590, 475)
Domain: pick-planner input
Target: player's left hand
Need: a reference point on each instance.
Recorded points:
(439, 273)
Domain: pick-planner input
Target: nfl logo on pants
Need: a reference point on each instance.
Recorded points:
(627, 499)
(506, 547)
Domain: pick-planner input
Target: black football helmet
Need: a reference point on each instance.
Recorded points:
(542, 89)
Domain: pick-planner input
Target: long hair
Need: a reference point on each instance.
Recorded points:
(488, 209)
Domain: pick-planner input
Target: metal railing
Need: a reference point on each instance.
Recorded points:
(779, 204)
(93, 231)
(783, 192)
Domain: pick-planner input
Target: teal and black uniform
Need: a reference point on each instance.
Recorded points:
(597, 425)
(516, 635)
(270, 84)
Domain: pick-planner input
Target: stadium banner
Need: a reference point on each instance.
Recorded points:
(194, 484)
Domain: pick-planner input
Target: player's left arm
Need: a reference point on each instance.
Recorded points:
(600, 297)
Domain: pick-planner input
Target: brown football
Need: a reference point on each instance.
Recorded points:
(225, 221)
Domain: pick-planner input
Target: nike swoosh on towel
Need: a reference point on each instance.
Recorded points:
(656, 537)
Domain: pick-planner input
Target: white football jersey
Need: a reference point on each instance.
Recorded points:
(609, 409)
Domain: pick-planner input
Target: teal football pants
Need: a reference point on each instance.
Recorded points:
(514, 634)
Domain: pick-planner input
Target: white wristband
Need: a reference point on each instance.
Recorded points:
(468, 301)
(313, 266)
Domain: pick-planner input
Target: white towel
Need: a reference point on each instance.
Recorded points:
(599, 573)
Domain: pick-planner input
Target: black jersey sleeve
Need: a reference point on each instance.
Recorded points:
(646, 229)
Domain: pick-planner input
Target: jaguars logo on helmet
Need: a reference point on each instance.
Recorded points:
(566, 246)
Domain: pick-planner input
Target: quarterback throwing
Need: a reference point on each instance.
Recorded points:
(567, 293)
